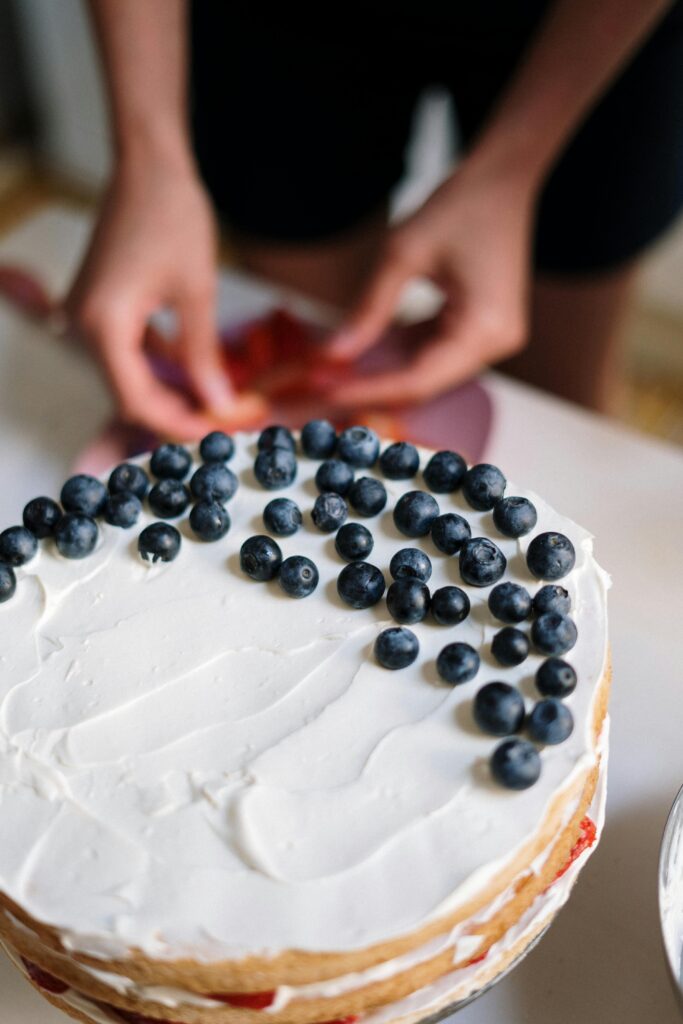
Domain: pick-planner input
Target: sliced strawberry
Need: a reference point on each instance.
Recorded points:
(587, 836)
(43, 979)
(246, 1000)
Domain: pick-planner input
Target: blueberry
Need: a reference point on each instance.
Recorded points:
(75, 535)
(445, 472)
(498, 709)
(168, 498)
(483, 486)
(318, 439)
(84, 494)
(449, 532)
(170, 462)
(334, 475)
(508, 602)
(360, 584)
(354, 542)
(481, 562)
(410, 562)
(282, 516)
(359, 446)
(329, 511)
(260, 558)
(209, 520)
(552, 598)
(298, 576)
(550, 556)
(399, 461)
(129, 477)
(276, 437)
(213, 482)
(408, 600)
(41, 515)
(159, 542)
(275, 468)
(555, 678)
(516, 764)
(17, 545)
(217, 447)
(368, 496)
(457, 663)
(550, 721)
(8, 583)
(396, 647)
(415, 512)
(510, 646)
(514, 517)
(553, 633)
(122, 509)
(450, 605)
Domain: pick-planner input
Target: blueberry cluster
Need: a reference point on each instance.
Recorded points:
(498, 708)
(72, 522)
(261, 559)
(209, 488)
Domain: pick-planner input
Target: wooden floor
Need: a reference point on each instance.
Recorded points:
(653, 393)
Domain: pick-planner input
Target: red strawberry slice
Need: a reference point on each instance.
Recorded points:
(43, 979)
(246, 1000)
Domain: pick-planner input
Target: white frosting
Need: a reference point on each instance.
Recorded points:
(193, 764)
(446, 990)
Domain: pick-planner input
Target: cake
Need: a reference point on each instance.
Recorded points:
(241, 781)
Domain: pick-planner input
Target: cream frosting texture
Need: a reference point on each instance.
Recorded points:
(193, 764)
(452, 987)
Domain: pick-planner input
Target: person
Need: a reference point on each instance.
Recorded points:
(571, 119)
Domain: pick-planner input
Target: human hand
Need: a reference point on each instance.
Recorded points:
(471, 238)
(154, 245)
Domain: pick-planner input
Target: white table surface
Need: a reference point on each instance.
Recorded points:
(602, 960)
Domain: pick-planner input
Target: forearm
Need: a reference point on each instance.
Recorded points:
(580, 47)
(144, 50)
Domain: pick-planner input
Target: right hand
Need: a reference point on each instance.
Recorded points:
(154, 245)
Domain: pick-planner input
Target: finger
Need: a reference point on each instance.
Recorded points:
(373, 314)
(451, 357)
(201, 353)
(142, 398)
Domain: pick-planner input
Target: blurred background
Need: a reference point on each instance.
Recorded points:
(54, 148)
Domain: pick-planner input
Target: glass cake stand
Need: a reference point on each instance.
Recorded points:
(671, 893)
(448, 1011)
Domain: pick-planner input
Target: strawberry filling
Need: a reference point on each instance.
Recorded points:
(587, 836)
(247, 1000)
(43, 979)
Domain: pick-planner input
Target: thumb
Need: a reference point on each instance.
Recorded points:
(373, 313)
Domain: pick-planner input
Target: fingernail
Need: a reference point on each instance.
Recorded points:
(218, 394)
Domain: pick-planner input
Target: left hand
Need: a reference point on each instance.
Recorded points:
(471, 238)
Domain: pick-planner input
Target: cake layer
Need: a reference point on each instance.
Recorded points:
(240, 795)
(451, 987)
